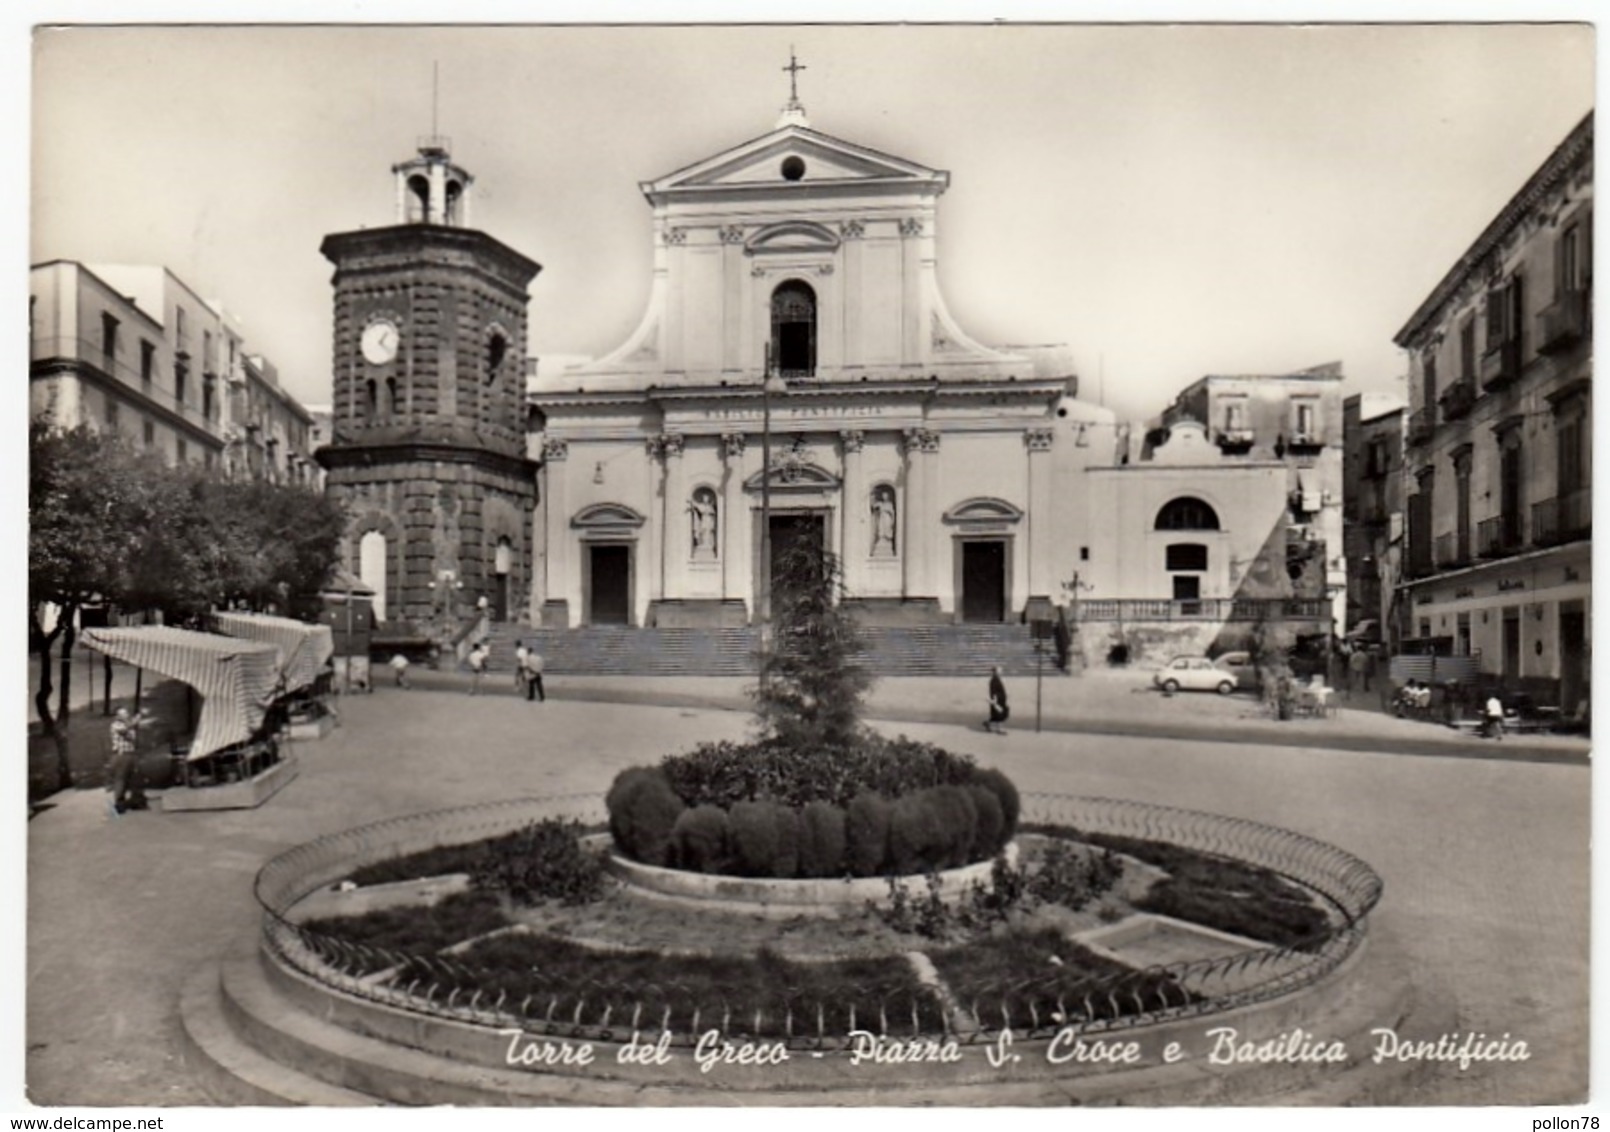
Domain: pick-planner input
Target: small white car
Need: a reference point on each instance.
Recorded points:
(1194, 674)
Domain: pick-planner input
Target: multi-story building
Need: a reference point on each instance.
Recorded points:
(1294, 419)
(1372, 512)
(270, 432)
(125, 349)
(1500, 441)
(134, 349)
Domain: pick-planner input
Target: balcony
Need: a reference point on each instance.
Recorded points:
(1564, 322)
(1565, 518)
(1457, 400)
(1422, 423)
(1453, 550)
(1203, 609)
(1234, 440)
(1501, 364)
(1499, 536)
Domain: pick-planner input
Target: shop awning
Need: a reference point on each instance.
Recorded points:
(236, 679)
(303, 648)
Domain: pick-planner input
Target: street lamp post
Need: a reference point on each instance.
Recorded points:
(770, 383)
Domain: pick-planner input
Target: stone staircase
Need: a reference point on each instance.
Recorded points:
(617, 650)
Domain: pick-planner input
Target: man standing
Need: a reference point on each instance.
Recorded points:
(125, 754)
(998, 711)
(532, 667)
(520, 654)
(477, 660)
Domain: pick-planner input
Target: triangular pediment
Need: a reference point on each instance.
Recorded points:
(792, 156)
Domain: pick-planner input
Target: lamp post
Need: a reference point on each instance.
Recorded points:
(770, 383)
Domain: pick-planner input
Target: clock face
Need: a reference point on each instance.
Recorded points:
(380, 339)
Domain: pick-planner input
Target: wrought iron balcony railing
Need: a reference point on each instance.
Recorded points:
(1499, 536)
(1456, 402)
(1422, 423)
(1501, 364)
(1565, 518)
(1564, 322)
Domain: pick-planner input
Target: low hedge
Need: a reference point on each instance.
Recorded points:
(700, 812)
(725, 773)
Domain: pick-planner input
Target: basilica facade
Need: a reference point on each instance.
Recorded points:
(795, 376)
(926, 461)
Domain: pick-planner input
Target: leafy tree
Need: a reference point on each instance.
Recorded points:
(811, 683)
(109, 524)
(92, 508)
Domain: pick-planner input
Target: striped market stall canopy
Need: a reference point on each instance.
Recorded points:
(236, 679)
(303, 648)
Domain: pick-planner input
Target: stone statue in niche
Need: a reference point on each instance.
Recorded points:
(703, 509)
(883, 521)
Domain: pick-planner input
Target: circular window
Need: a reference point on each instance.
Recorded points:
(793, 168)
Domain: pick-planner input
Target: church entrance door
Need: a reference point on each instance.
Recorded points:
(609, 578)
(787, 531)
(984, 581)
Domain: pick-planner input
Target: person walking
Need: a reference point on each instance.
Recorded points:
(125, 755)
(520, 653)
(998, 711)
(477, 661)
(532, 667)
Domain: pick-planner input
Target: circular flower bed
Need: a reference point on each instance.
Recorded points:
(879, 807)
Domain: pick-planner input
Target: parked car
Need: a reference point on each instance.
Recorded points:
(1242, 666)
(1194, 674)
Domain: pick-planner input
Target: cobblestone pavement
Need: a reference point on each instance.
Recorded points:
(1485, 861)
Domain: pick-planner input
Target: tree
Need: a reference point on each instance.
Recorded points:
(811, 684)
(109, 524)
(92, 505)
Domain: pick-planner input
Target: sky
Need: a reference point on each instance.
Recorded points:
(1169, 201)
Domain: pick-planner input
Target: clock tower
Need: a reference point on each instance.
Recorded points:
(428, 448)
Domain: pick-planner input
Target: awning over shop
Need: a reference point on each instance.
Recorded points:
(235, 678)
(303, 648)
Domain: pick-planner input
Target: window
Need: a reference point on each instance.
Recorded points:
(1467, 350)
(1186, 556)
(180, 334)
(1573, 256)
(148, 431)
(1506, 313)
(369, 398)
(1461, 474)
(206, 352)
(181, 380)
(1306, 416)
(1428, 381)
(148, 361)
(793, 329)
(1570, 456)
(1187, 513)
(111, 413)
(393, 397)
(497, 349)
(108, 342)
(1511, 489)
(181, 451)
(1234, 416)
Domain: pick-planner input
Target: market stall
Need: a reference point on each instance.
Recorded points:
(233, 759)
(304, 651)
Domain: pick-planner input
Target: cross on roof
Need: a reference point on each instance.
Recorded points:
(794, 68)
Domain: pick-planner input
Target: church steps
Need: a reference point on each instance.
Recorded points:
(609, 650)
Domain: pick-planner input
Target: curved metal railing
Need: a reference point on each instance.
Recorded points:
(450, 984)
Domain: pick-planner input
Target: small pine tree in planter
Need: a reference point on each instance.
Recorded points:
(811, 682)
